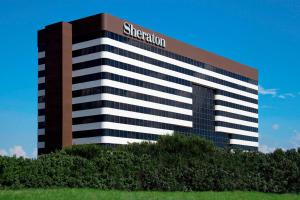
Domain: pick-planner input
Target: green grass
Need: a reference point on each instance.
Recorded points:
(91, 194)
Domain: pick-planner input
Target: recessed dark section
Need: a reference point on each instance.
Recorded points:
(204, 116)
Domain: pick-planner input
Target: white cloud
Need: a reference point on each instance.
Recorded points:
(17, 151)
(289, 95)
(3, 152)
(286, 95)
(264, 91)
(274, 93)
(275, 127)
(266, 149)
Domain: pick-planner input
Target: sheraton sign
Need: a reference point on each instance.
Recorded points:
(129, 29)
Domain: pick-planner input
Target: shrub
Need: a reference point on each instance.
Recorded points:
(174, 163)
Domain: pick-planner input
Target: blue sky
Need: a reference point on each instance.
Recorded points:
(264, 34)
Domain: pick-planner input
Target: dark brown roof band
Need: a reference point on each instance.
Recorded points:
(107, 22)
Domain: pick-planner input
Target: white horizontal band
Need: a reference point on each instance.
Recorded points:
(41, 93)
(41, 54)
(121, 127)
(107, 140)
(86, 44)
(41, 131)
(131, 101)
(41, 118)
(162, 70)
(223, 87)
(88, 57)
(86, 127)
(130, 114)
(244, 142)
(236, 111)
(85, 99)
(87, 140)
(41, 67)
(41, 105)
(87, 71)
(133, 88)
(236, 121)
(161, 58)
(236, 101)
(235, 131)
(141, 77)
(41, 80)
(120, 140)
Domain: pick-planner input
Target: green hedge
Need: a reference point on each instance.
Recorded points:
(174, 163)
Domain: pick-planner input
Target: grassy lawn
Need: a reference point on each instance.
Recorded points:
(90, 194)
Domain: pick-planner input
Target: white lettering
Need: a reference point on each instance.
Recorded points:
(129, 29)
(126, 28)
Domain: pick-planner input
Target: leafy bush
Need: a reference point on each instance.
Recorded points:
(174, 163)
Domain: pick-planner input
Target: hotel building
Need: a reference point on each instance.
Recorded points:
(104, 80)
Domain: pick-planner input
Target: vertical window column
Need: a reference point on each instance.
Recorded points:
(204, 115)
